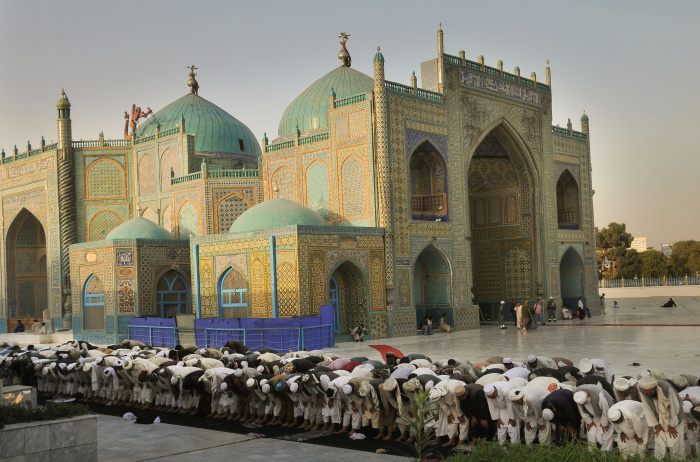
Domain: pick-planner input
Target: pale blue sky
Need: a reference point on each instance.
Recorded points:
(631, 65)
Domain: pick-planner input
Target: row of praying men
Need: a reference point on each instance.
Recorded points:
(533, 400)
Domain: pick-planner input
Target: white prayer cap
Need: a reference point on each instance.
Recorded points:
(99, 360)
(244, 363)
(507, 361)
(614, 414)
(547, 414)
(648, 383)
(260, 369)
(71, 366)
(581, 397)
(502, 302)
(294, 387)
(515, 395)
(181, 363)
(265, 388)
(250, 383)
(531, 358)
(390, 384)
(621, 384)
(237, 372)
(687, 406)
(347, 389)
(551, 298)
(429, 385)
(585, 365)
(680, 381)
(87, 367)
(489, 389)
(632, 382)
(173, 380)
(263, 382)
(325, 381)
(645, 373)
(224, 386)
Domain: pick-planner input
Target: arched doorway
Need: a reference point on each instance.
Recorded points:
(352, 297)
(432, 283)
(428, 184)
(502, 192)
(25, 266)
(172, 295)
(93, 304)
(568, 216)
(571, 274)
(233, 295)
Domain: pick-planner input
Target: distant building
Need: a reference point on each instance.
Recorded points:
(667, 249)
(639, 244)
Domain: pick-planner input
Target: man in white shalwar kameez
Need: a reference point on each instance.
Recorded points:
(593, 405)
(446, 395)
(663, 410)
(501, 409)
(627, 417)
(527, 402)
(691, 399)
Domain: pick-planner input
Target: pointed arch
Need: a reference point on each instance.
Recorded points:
(25, 266)
(571, 275)
(168, 218)
(102, 223)
(353, 295)
(105, 179)
(147, 175)
(151, 214)
(233, 294)
(168, 160)
(172, 294)
(428, 183)
(283, 178)
(93, 303)
(187, 220)
(317, 187)
(354, 187)
(228, 208)
(568, 202)
(432, 280)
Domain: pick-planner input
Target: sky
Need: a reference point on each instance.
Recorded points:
(631, 65)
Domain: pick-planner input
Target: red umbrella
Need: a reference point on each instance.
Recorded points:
(384, 349)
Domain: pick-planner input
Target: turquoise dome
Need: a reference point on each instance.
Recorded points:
(216, 131)
(273, 214)
(584, 117)
(310, 108)
(138, 228)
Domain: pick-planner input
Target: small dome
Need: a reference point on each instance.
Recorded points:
(273, 214)
(584, 117)
(138, 228)
(216, 131)
(379, 56)
(309, 110)
(63, 103)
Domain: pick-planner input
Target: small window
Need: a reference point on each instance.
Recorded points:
(241, 144)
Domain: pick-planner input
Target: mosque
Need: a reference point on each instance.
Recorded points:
(389, 201)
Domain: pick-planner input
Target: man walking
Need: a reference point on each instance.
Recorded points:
(552, 310)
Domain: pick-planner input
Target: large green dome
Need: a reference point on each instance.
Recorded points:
(138, 228)
(216, 131)
(274, 214)
(310, 108)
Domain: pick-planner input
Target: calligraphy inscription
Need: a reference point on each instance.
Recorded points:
(510, 90)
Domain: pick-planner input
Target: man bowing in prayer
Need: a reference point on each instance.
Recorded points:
(663, 410)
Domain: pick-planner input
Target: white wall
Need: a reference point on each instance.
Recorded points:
(640, 292)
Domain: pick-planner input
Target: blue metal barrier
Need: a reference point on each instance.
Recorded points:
(155, 335)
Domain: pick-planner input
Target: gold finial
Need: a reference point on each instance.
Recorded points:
(276, 190)
(378, 48)
(344, 54)
(343, 36)
(547, 63)
(192, 82)
(440, 25)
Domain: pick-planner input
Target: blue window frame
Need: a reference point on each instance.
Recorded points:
(334, 299)
(172, 294)
(233, 293)
(93, 304)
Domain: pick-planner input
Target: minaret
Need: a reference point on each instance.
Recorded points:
(383, 173)
(66, 197)
(584, 123)
(441, 60)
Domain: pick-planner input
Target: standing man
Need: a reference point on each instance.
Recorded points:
(500, 315)
(519, 315)
(552, 310)
(602, 303)
(663, 410)
(627, 417)
(539, 317)
(501, 409)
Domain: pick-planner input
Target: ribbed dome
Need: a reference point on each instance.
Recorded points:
(216, 131)
(274, 214)
(139, 228)
(310, 108)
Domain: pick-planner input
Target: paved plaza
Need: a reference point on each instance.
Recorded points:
(639, 331)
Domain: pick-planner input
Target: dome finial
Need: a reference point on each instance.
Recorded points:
(276, 190)
(192, 82)
(344, 54)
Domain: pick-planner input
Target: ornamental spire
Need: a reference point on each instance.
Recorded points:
(344, 54)
(192, 82)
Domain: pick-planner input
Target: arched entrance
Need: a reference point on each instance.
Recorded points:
(172, 295)
(93, 304)
(502, 192)
(352, 297)
(571, 274)
(233, 295)
(25, 267)
(432, 283)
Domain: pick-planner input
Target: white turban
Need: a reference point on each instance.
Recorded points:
(614, 414)
(325, 381)
(224, 386)
(515, 395)
(687, 406)
(489, 389)
(238, 372)
(294, 387)
(347, 389)
(580, 397)
(260, 368)
(648, 383)
(502, 302)
(250, 383)
(390, 384)
(585, 365)
(621, 384)
(265, 388)
(531, 358)
(507, 361)
(547, 414)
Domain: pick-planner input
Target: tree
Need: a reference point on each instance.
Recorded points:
(629, 265)
(685, 258)
(654, 264)
(613, 239)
